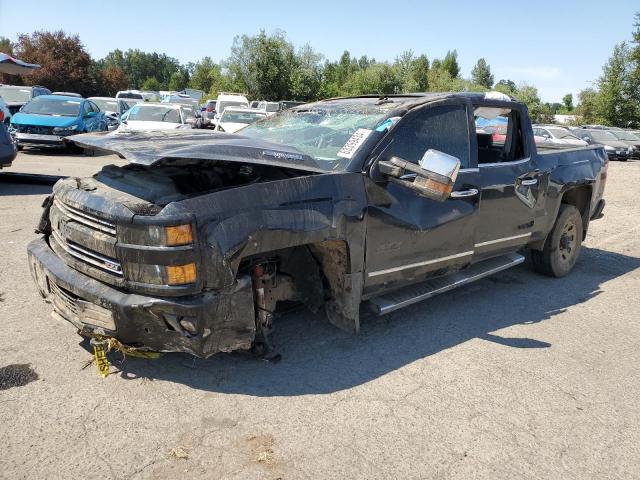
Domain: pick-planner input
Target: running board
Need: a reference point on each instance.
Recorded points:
(390, 302)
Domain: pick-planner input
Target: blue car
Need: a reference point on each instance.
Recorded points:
(48, 119)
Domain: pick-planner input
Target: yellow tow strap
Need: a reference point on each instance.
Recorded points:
(103, 345)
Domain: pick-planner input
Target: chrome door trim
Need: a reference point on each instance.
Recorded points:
(504, 239)
(420, 264)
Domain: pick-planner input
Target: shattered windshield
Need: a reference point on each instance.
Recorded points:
(50, 106)
(321, 130)
(15, 94)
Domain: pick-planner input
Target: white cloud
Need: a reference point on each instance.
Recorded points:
(540, 73)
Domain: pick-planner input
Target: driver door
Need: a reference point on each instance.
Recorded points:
(410, 237)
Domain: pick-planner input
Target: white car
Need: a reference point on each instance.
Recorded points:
(5, 113)
(555, 135)
(180, 98)
(225, 100)
(235, 118)
(154, 116)
(271, 108)
(138, 96)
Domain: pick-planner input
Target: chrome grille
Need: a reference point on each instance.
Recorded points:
(67, 226)
(87, 219)
(108, 264)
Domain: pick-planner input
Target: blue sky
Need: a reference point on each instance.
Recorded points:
(558, 46)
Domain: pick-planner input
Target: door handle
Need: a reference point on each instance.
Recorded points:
(529, 181)
(472, 192)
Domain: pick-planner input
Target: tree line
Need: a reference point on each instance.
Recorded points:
(269, 67)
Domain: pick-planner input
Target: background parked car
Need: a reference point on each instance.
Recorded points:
(286, 104)
(16, 96)
(193, 116)
(48, 119)
(113, 108)
(154, 116)
(209, 113)
(630, 139)
(270, 108)
(615, 149)
(235, 118)
(8, 150)
(181, 98)
(556, 135)
(67, 94)
(230, 100)
(5, 113)
(138, 96)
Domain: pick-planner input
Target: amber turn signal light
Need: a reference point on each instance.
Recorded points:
(179, 235)
(181, 274)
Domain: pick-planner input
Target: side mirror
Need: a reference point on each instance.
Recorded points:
(89, 114)
(433, 177)
(547, 136)
(586, 139)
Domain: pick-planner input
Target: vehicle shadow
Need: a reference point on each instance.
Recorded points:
(17, 184)
(317, 358)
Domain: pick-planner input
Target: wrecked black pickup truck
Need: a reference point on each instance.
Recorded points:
(340, 205)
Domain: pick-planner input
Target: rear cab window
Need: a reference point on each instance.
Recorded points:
(500, 135)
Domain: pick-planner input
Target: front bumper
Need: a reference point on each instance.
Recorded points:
(618, 155)
(44, 140)
(223, 321)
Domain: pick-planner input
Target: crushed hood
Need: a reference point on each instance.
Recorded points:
(159, 148)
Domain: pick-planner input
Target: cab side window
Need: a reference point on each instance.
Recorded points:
(444, 128)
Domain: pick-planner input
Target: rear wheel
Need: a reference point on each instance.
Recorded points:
(563, 245)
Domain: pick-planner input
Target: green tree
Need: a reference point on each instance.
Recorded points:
(306, 77)
(615, 106)
(263, 65)
(450, 64)
(404, 70)
(567, 102)
(481, 74)
(420, 73)
(179, 79)
(152, 84)
(528, 94)
(507, 86)
(203, 74)
(633, 84)
(587, 105)
(378, 79)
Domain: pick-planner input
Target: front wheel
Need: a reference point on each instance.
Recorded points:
(563, 245)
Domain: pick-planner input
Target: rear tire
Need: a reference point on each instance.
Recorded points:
(562, 247)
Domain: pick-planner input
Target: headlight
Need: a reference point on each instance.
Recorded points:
(161, 274)
(172, 236)
(157, 236)
(609, 148)
(62, 131)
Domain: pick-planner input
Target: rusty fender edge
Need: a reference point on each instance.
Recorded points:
(220, 321)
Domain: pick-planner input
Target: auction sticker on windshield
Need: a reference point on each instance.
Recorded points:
(349, 149)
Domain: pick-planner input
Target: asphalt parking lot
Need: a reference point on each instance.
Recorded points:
(517, 376)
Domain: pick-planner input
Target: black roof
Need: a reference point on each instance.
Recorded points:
(407, 99)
